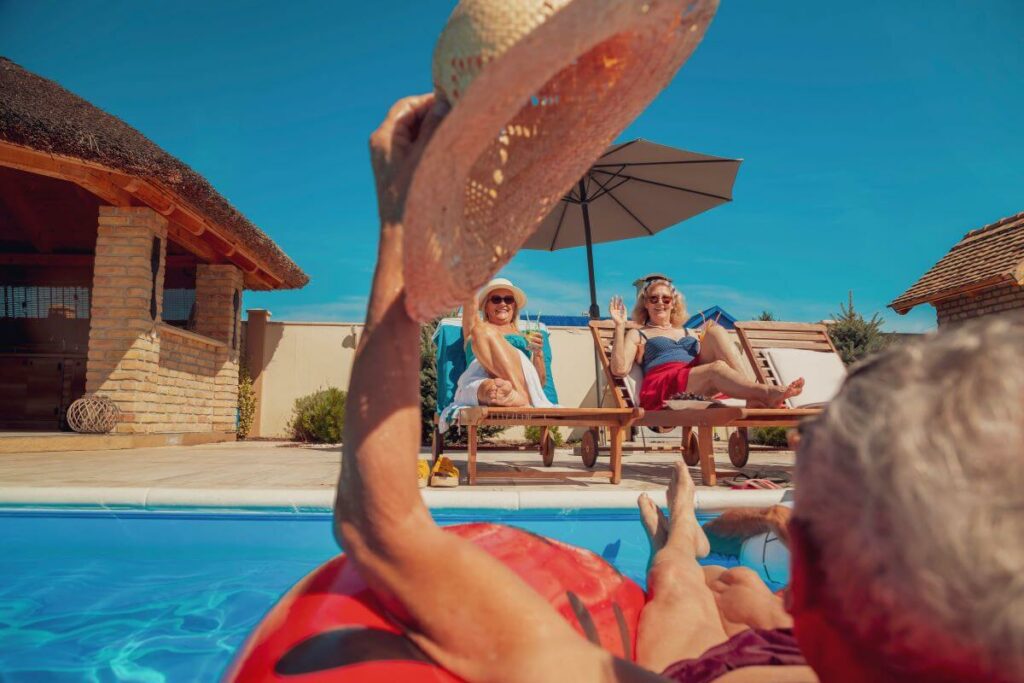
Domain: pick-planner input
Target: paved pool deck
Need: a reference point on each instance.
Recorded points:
(285, 475)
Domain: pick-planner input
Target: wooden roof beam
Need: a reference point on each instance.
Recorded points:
(99, 182)
(120, 189)
(74, 260)
(202, 249)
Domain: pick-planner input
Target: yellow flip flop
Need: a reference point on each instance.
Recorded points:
(445, 474)
(422, 472)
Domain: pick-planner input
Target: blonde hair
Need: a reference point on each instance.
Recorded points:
(678, 314)
(911, 487)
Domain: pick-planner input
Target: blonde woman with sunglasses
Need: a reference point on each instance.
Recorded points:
(504, 366)
(675, 360)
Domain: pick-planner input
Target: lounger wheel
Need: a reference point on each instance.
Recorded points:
(547, 447)
(589, 446)
(739, 447)
(691, 456)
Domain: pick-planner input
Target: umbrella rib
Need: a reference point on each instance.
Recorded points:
(558, 228)
(633, 215)
(604, 187)
(671, 187)
(613, 150)
(668, 163)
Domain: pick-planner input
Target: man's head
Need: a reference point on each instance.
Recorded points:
(909, 515)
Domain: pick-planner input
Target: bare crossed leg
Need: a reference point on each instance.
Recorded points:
(718, 377)
(507, 386)
(717, 345)
(681, 619)
(693, 608)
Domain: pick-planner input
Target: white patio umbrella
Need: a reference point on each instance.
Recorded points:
(634, 189)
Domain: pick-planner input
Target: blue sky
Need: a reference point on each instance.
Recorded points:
(874, 135)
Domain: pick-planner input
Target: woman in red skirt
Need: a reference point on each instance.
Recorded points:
(675, 360)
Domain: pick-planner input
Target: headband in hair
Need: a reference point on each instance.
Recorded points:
(658, 280)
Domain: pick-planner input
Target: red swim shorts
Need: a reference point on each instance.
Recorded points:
(662, 383)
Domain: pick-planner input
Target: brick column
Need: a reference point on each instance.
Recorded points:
(218, 316)
(127, 295)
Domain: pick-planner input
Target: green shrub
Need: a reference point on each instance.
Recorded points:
(428, 381)
(457, 436)
(854, 336)
(533, 435)
(319, 417)
(246, 402)
(769, 436)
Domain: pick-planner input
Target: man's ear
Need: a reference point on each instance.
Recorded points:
(805, 571)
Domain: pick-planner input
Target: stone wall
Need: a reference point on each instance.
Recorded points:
(967, 306)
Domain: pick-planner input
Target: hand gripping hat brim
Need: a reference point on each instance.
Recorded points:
(539, 89)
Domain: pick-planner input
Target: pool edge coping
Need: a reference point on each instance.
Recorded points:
(312, 500)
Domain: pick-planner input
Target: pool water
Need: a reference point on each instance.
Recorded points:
(169, 596)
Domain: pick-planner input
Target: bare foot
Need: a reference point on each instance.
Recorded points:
(499, 392)
(683, 513)
(654, 521)
(778, 395)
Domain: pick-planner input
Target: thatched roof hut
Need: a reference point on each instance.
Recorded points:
(48, 130)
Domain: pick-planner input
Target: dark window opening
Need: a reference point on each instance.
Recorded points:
(236, 302)
(154, 266)
(180, 308)
(32, 301)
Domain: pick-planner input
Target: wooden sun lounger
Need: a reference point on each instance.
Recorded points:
(698, 424)
(616, 420)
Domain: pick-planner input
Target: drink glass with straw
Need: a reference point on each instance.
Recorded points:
(532, 333)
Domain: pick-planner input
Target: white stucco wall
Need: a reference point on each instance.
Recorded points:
(300, 358)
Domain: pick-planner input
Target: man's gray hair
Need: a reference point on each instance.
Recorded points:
(911, 484)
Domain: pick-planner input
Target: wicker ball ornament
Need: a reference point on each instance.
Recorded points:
(93, 415)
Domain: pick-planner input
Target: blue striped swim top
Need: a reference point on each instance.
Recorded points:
(661, 350)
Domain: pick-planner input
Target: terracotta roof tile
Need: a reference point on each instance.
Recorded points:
(990, 254)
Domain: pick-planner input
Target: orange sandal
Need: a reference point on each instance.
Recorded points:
(445, 474)
(422, 472)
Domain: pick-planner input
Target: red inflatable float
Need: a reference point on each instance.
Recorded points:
(329, 627)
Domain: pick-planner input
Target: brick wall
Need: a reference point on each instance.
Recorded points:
(994, 300)
(218, 316)
(124, 346)
(163, 379)
(184, 397)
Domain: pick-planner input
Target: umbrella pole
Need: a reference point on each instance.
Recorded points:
(595, 312)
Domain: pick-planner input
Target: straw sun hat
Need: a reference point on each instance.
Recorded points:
(503, 283)
(539, 89)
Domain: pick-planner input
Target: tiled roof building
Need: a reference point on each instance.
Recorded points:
(983, 273)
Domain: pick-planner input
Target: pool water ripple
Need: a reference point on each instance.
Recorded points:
(152, 598)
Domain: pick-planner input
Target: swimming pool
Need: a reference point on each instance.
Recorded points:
(154, 596)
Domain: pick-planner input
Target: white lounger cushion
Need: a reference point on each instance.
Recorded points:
(633, 381)
(822, 371)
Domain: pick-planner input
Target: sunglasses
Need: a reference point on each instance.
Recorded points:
(507, 300)
(664, 299)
